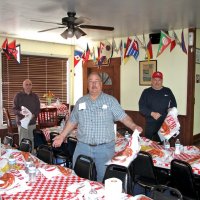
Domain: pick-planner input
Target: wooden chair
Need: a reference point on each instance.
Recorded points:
(47, 118)
(12, 128)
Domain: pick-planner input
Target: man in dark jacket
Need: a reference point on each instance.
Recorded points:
(29, 100)
(154, 104)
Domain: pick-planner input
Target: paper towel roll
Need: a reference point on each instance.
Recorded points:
(113, 189)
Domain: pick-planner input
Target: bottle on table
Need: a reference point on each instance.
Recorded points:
(177, 146)
(127, 135)
(166, 144)
(32, 173)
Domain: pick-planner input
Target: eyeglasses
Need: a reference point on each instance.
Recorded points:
(93, 82)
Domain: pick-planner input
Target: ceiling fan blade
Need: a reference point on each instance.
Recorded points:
(81, 20)
(104, 28)
(45, 22)
(49, 29)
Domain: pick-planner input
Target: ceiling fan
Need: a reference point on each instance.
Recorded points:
(73, 25)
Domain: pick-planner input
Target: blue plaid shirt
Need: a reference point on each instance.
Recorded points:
(96, 118)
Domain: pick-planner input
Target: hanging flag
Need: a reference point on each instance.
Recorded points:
(149, 51)
(86, 54)
(165, 41)
(173, 44)
(126, 46)
(183, 43)
(133, 49)
(17, 56)
(106, 49)
(94, 57)
(114, 47)
(121, 50)
(12, 49)
(77, 57)
(142, 45)
(5, 48)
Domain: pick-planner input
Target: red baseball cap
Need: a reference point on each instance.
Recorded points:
(157, 75)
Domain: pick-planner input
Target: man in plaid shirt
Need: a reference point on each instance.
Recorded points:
(94, 115)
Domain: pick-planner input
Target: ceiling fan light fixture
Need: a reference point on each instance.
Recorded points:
(78, 33)
(68, 33)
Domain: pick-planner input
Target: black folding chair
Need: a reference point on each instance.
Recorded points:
(25, 145)
(39, 138)
(45, 154)
(182, 178)
(121, 173)
(85, 167)
(163, 192)
(143, 171)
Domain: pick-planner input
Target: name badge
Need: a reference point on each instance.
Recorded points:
(104, 106)
(82, 106)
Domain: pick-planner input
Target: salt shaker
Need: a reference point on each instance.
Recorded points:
(32, 173)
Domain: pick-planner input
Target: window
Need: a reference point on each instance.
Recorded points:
(46, 73)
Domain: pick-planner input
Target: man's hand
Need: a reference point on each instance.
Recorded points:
(155, 115)
(57, 141)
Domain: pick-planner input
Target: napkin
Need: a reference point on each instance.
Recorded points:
(85, 189)
(126, 156)
(196, 165)
(28, 116)
(50, 171)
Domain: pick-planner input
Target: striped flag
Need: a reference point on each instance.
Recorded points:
(183, 43)
(133, 49)
(165, 41)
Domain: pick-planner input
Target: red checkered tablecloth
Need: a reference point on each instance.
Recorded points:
(190, 156)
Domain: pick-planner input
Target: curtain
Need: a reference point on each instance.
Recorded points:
(46, 74)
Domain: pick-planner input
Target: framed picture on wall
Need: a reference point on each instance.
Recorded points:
(146, 69)
(197, 55)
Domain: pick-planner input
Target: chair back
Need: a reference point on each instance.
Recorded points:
(145, 175)
(163, 192)
(8, 140)
(45, 154)
(182, 178)
(12, 128)
(121, 173)
(39, 138)
(47, 117)
(71, 141)
(25, 145)
(85, 167)
(8, 120)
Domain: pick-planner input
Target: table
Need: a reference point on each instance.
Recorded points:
(162, 158)
(58, 187)
(62, 109)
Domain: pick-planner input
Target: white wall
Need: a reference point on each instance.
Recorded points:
(197, 92)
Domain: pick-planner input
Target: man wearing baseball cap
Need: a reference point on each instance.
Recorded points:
(154, 104)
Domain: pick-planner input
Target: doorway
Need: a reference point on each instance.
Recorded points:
(110, 75)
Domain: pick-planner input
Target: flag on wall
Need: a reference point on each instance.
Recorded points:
(86, 54)
(77, 57)
(11, 50)
(133, 49)
(106, 49)
(183, 43)
(165, 41)
(149, 51)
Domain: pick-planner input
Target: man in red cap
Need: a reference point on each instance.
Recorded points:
(154, 104)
